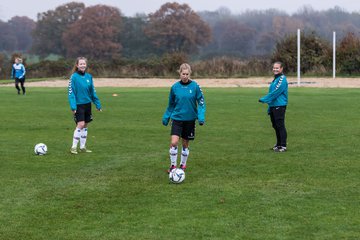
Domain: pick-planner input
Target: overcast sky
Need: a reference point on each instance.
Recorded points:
(30, 8)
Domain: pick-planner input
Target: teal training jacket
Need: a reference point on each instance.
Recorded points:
(82, 90)
(278, 92)
(186, 103)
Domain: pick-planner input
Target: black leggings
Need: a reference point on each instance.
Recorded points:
(277, 116)
(22, 82)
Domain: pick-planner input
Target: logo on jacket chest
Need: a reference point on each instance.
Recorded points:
(186, 91)
(86, 80)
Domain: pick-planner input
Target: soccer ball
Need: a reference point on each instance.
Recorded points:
(40, 149)
(177, 175)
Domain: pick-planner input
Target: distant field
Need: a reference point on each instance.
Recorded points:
(215, 82)
(235, 187)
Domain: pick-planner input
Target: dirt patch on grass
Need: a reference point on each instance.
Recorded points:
(226, 83)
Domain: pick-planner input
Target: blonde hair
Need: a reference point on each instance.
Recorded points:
(75, 68)
(184, 66)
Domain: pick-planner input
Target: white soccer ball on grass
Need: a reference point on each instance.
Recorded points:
(177, 175)
(40, 149)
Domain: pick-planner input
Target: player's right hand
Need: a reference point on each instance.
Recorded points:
(165, 121)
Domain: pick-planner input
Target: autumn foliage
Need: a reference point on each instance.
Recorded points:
(51, 26)
(177, 28)
(315, 53)
(95, 34)
(349, 54)
(219, 43)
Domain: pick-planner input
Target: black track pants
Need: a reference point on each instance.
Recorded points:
(277, 116)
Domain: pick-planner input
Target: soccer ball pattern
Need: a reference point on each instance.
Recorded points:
(40, 149)
(177, 175)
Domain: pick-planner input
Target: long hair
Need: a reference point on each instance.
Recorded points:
(75, 68)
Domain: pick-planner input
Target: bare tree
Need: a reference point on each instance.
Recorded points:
(21, 28)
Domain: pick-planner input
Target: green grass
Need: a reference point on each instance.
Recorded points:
(9, 81)
(235, 187)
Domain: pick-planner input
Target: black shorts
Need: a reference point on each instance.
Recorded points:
(83, 113)
(19, 80)
(183, 129)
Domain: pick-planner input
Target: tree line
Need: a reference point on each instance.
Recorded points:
(175, 33)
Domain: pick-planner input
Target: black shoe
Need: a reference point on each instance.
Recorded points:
(280, 149)
(171, 168)
(183, 167)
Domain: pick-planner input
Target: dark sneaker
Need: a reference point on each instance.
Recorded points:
(274, 147)
(280, 149)
(183, 167)
(171, 168)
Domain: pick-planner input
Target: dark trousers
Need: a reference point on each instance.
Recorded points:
(22, 82)
(277, 116)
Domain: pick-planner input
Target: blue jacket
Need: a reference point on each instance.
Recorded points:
(18, 71)
(186, 103)
(278, 92)
(82, 90)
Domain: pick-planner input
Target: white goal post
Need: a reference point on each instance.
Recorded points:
(334, 55)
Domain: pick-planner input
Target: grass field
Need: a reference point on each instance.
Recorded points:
(235, 187)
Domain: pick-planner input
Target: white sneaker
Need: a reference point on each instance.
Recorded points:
(280, 149)
(85, 150)
(73, 151)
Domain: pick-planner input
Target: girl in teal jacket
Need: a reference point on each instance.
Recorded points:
(277, 99)
(186, 105)
(81, 93)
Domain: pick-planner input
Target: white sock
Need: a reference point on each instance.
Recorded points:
(83, 138)
(173, 155)
(76, 137)
(184, 156)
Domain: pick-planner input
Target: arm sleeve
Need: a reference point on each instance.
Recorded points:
(94, 96)
(71, 95)
(201, 105)
(12, 72)
(23, 70)
(170, 108)
(280, 86)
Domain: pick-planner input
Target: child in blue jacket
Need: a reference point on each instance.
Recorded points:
(18, 73)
